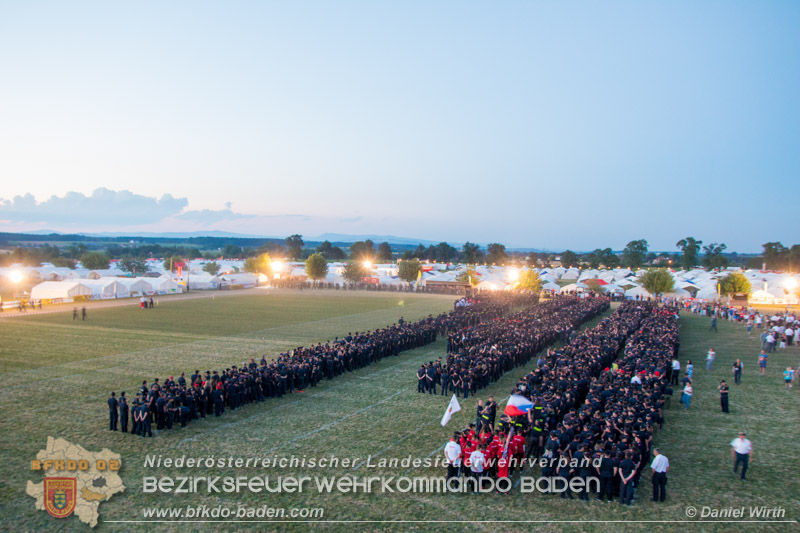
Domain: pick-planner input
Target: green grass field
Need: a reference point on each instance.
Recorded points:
(57, 375)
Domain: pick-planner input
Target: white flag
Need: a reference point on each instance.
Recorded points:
(454, 407)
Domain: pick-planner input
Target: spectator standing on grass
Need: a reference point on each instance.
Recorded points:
(686, 399)
(737, 371)
(689, 368)
(74, 313)
(770, 341)
(723, 395)
(714, 323)
(660, 467)
(788, 377)
(741, 453)
(762, 362)
(710, 358)
(83, 313)
(676, 370)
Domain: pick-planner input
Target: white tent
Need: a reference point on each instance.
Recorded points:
(707, 293)
(570, 274)
(625, 283)
(762, 297)
(136, 286)
(59, 290)
(548, 278)
(637, 291)
(491, 286)
(105, 288)
(52, 273)
(165, 285)
(104, 273)
(678, 293)
(243, 279)
(551, 287)
(613, 288)
(574, 287)
(202, 282)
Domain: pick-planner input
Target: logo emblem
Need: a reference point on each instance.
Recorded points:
(60, 495)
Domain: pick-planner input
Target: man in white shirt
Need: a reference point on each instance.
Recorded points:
(710, 358)
(741, 452)
(676, 370)
(477, 462)
(660, 466)
(452, 455)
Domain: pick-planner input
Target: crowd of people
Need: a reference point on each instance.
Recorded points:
(782, 327)
(597, 403)
(178, 401)
(479, 354)
(301, 284)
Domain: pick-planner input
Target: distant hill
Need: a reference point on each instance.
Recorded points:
(181, 235)
(377, 239)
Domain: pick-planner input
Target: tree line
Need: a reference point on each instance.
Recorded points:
(692, 252)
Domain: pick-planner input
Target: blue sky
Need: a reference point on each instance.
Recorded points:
(544, 124)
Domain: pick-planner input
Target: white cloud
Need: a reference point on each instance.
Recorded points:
(104, 206)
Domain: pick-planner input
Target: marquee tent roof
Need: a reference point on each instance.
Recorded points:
(53, 290)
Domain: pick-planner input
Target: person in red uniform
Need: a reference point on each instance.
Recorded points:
(493, 452)
(502, 470)
(467, 447)
(516, 450)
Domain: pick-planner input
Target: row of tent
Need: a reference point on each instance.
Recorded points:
(767, 287)
(104, 288)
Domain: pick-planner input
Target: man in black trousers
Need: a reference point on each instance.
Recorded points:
(660, 466)
(113, 414)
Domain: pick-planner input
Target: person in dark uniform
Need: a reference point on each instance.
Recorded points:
(723, 395)
(161, 412)
(584, 458)
(146, 422)
(421, 378)
(491, 406)
(113, 414)
(607, 470)
(431, 378)
(466, 383)
(219, 401)
(135, 416)
(627, 471)
(564, 471)
(83, 313)
(123, 412)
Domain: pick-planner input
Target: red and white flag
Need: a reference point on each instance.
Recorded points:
(454, 407)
